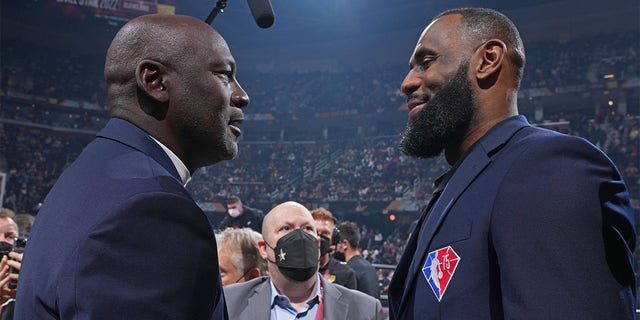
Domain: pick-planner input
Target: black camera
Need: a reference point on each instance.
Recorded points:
(19, 243)
(335, 238)
(18, 246)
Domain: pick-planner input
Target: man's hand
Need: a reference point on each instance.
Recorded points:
(6, 276)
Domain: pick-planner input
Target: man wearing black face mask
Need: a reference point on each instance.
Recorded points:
(331, 269)
(294, 289)
(8, 233)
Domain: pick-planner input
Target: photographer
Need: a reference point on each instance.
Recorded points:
(10, 260)
(7, 294)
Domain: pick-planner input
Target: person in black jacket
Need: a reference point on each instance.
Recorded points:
(366, 275)
(241, 216)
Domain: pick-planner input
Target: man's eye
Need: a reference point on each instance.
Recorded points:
(426, 62)
(225, 76)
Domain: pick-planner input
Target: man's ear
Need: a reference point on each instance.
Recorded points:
(252, 274)
(150, 78)
(262, 247)
(345, 244)
(490, 56)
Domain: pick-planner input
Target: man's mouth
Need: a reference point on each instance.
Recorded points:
(415, 105)
(234, 123)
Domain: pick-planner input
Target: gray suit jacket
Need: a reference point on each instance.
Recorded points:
(251, 301)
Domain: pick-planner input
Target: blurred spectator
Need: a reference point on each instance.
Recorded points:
(25, 222)
(385, 279)
(367, 278)
(8, 227)
(10, 261)
(241, 216)
(331, 269)
(238, 255)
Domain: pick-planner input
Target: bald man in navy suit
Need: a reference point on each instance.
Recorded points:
(118, 236)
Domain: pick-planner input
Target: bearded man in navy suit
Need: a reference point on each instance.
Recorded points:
(528, 223)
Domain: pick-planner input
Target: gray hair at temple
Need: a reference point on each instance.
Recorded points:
(244, 245)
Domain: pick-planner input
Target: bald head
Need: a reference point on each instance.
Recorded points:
(167, 39)
(281, 221)
(175, 78)
(291, 213)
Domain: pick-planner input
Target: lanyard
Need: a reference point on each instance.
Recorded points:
(320, 312)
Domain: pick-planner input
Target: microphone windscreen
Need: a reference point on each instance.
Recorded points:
(262, 12)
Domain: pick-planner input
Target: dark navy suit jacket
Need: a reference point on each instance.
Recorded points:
(533, 224)
(119, 237)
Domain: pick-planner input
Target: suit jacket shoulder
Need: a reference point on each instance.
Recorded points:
(117, 201)
(249, 300)
(345, 304)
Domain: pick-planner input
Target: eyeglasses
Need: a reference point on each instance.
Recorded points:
(244, 274)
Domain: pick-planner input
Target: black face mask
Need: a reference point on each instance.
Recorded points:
(325, 245)
(297, 255)
(339, 256)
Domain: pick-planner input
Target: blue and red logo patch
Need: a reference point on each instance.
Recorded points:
(438, 269)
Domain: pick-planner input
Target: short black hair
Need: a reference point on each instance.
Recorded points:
(233, 199)
(349, 231)
(481, 24)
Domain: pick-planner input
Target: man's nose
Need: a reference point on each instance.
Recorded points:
(411, 82)
(239, 98)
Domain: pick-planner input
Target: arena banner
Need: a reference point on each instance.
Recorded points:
(112, 10)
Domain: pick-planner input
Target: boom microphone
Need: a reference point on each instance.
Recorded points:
(262, 12)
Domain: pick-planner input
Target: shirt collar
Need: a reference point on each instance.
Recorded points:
(185, 176)
(277, 299)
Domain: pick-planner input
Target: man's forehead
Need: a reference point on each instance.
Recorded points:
(436, 34)
(297, 220)
(324, 222)
(422, 40)
(290, 216)
(6, 222)
(424, 32)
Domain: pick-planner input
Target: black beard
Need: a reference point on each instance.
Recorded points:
(444, 120)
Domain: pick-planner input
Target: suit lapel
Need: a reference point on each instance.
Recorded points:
(129, 134)
(478, 158)
(469, 169)
(333, 307)
(472, 165)
(257, 301)
(398, 285)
